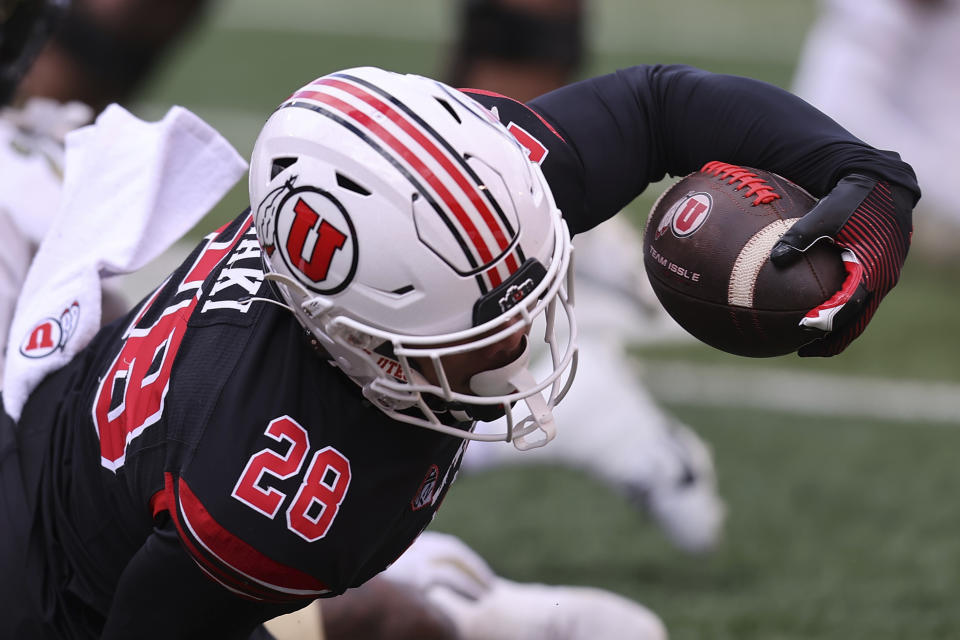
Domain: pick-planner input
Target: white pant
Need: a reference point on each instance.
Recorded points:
(888, 71)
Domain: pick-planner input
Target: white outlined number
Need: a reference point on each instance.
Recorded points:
(315, 506)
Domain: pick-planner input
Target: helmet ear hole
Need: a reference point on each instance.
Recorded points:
(278, 165)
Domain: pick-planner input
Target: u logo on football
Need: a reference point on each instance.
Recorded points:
(689, 214)
(317, 239)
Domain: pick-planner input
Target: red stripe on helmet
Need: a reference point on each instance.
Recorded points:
(469, 188)
(465, 220)
(493, 277)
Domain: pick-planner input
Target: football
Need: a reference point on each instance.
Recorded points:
(707, 249)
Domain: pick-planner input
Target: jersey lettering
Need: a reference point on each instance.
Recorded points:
(312, 510)
(536, 151)
(131, 394)
(247, 279)
(239, 280)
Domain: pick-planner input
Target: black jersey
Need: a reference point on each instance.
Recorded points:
(207, 413)
(199, 468)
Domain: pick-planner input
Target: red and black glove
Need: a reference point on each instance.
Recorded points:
(871, 221)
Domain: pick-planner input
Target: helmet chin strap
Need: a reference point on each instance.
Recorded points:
(512, 378)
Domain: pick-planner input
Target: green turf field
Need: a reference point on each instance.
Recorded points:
(840, 526)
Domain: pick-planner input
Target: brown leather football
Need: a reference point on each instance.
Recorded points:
(707, 253)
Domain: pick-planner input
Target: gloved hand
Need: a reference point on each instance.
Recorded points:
(871, 221)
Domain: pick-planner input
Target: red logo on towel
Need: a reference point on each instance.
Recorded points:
(51, 334)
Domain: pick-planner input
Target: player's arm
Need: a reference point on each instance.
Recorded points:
(637, 125)
(164, 594)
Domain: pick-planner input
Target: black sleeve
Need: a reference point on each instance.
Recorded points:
(163, 594)
(636, 126)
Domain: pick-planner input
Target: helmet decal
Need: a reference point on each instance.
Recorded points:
(510, 293)
(315, 237)
(444, 178)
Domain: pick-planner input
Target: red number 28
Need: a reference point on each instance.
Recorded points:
(316, 503)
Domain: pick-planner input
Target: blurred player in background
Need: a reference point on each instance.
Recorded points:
(101, 51)
(524, 48)
(888, 71)
(105, 50)
(440, 582)
(520, 48)
(24, 28)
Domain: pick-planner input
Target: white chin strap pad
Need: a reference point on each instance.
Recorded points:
(499, 382)
(512, 378)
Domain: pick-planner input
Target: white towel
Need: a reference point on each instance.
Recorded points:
(130, 190)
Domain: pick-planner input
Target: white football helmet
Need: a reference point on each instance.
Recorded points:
(402, 223)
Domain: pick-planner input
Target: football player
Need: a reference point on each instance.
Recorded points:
(281, 418)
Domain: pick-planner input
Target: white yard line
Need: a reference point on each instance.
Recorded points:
(813, 394)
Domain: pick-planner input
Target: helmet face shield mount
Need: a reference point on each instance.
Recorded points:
(412, 237)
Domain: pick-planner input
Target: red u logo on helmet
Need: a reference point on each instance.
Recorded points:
(311, 248)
